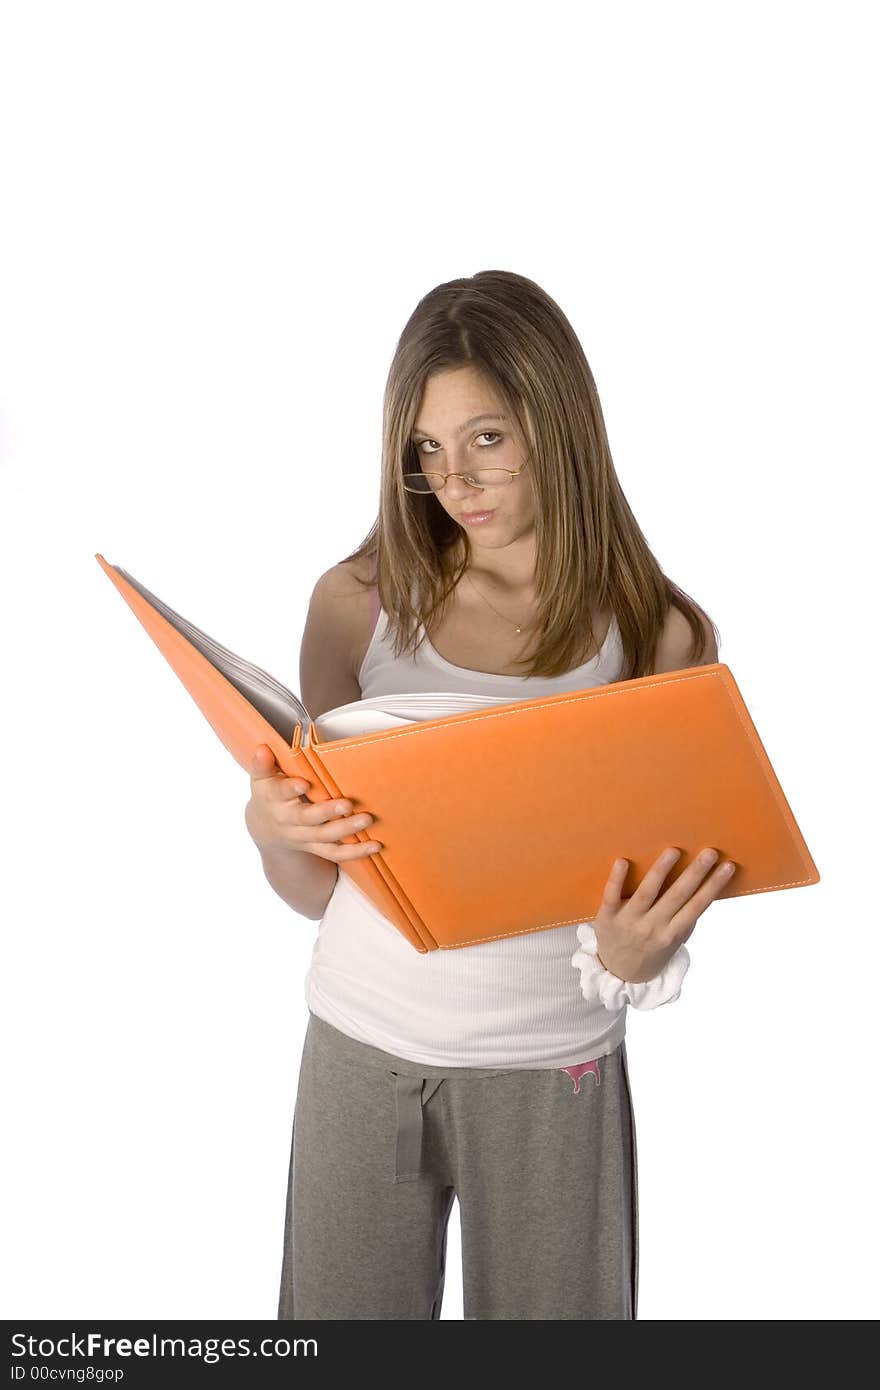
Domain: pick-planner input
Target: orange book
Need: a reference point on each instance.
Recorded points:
(505, 816)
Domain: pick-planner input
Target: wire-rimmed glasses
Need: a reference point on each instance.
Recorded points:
(477, 477)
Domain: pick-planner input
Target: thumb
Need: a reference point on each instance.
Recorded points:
(263, 762)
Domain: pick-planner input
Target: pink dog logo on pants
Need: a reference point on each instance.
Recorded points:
(580, 1070)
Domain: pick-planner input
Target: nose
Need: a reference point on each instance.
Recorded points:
(462, 488)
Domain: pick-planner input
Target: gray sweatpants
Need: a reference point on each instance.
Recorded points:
(543, 1164)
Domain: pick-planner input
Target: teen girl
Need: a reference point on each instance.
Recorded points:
(506, 560)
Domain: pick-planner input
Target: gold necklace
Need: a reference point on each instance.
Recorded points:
(494, 610)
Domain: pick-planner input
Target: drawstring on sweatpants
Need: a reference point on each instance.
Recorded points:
(411, 1093)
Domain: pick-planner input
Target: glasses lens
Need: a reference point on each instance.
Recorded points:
(490, 477)
(433, 482)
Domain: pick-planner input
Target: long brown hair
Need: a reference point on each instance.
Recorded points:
(589, 547)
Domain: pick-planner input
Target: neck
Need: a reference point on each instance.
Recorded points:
(510, 568)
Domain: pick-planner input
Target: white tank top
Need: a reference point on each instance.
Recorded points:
(509, 1004)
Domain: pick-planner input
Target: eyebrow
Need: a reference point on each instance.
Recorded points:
(474, 420)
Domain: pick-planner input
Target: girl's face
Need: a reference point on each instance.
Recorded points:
(448, 437)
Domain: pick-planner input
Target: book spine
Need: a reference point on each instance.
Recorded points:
(371, 874)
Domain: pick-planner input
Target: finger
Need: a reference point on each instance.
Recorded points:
(699, 872)
(614, 884)
(318, 812)
(292, 788)
(339, 853)
(647, 891)
(650, 886)
(687, 913)
(339, 827)
(263, 762)
(264, 767)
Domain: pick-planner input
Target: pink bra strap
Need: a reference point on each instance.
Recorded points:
(374, 600)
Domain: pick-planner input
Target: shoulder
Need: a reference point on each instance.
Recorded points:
(676, 643)
(347, 579)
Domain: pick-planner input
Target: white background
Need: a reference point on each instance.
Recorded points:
(216, 219)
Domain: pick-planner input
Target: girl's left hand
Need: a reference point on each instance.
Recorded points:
(636, 936)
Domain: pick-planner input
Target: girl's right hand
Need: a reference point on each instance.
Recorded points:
(279, 819)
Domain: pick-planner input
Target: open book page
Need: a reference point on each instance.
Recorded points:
(284, 710)
(278, 705)
(388, 711)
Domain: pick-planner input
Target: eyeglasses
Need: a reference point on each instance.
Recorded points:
(479, 477)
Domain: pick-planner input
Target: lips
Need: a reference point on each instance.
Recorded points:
(488, 512)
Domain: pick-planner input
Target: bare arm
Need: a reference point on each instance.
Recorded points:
(303, 880)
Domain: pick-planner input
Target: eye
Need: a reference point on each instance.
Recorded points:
(483, 435)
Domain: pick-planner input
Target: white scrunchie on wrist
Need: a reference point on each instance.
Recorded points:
(599, 983)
